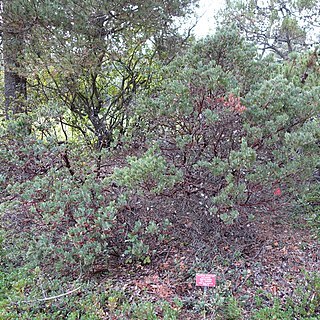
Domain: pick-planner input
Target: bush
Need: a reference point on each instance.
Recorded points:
(310, 204)
(70, 218)
(237, 144)
(304, 304)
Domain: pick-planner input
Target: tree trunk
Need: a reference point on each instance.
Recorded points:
(104, 136)
(15, 85)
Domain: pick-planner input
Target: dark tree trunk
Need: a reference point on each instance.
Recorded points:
(15, 85)
(104, 136)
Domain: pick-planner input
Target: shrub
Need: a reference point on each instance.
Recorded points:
(71, 219)
(233, 141)
(304, 304)
(310, 204)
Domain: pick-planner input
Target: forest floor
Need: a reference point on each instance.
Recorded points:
(264, 261)
(266, 268)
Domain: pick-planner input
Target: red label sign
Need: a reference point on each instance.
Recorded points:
(277, 192)
(205, 280)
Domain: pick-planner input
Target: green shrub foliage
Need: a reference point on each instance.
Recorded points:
(241, 133)
(219, 130)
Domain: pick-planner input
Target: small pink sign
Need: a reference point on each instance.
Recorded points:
(277, 192)
(205, 280)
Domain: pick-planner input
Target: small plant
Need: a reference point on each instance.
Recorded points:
(310, 202)
(232, 310)
(142, 241)
(304, 304)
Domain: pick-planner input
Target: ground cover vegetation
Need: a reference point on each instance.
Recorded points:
(134, 156)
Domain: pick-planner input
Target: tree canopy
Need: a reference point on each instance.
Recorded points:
(278, 26)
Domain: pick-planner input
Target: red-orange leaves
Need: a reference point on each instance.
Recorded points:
(234, 103)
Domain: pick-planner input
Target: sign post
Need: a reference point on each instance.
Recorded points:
(205, 280)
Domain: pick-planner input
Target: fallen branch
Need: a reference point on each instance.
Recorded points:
(51, 298)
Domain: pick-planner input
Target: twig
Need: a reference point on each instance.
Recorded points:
(258, 253)
(241, 283)
(51, 298)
